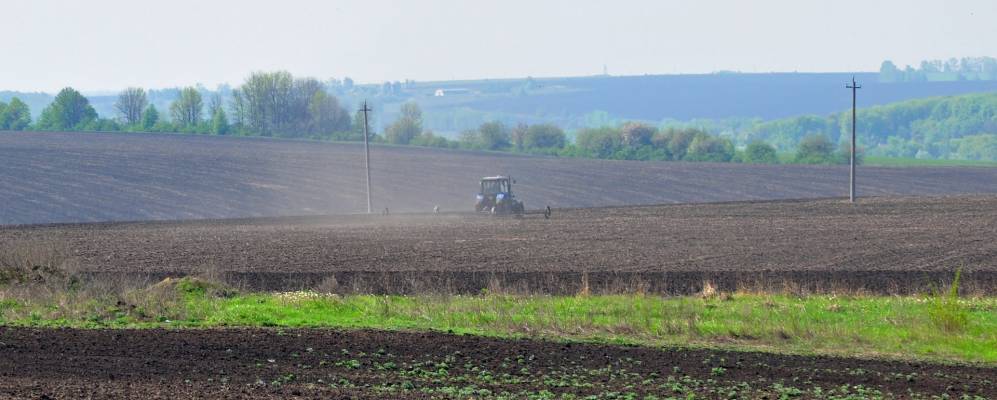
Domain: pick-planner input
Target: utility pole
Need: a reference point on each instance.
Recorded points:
(366, 150)
(851, 178)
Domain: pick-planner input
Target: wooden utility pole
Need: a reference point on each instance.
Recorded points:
(366, 150)
(851, 177)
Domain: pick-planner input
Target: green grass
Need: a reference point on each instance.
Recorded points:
(934, 328)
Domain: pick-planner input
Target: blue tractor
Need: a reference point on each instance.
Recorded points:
(496, 197)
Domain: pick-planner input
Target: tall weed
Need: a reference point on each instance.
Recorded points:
(946, 312)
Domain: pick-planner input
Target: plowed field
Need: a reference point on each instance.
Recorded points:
(372, 364)
(85, 177)
(883, 245)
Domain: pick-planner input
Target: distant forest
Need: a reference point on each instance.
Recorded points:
(953, 69)
(930, 118)
(451, 107)
(277, 104)
(956, 127)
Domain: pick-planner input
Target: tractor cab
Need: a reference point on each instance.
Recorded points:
(496, 196)
(495, 185)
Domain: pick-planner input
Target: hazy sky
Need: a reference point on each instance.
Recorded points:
(111, 44)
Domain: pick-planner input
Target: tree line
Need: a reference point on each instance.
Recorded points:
(953, 69)
(266, 104)
(14, 116)
(276, 104)
(956, 127)
(628, 141)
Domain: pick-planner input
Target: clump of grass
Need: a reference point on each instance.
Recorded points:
(36, 263)
(946, 311)
(709, 290)
(39, 282)
(584, 290)
(197, 287)
(328, 285)
(175, 299)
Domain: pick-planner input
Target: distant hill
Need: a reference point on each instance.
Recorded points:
(587, 101)
(452, 106)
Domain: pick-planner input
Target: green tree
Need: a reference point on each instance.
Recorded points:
(358, 126)
(402, 131)
(70, 110)
(411, 110)
(759, 152)
(101, 125)
(705, 147)
(131, 102)
(149, 118)
(677, 141)
(636, 134)
(844, 155)
(815, 149)
(493, 136)
(186, 110)
(407, 126)
(164, 126)
(544, 136)
(428, 139)
(518, 135)
(468, 138)
(978, 147)
(599, 142)
(15, 116)
(327, 117)
(888, 72)
(219, 123)
(786, 133)
(265, 99)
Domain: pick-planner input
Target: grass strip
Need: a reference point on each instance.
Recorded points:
(936, 328)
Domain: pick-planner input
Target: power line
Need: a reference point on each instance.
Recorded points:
(366, 149)
(851, 177)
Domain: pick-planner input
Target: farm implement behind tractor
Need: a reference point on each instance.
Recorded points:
(496, 197)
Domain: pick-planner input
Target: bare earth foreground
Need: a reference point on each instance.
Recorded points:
(86, 177)
(260, 363)
(881, 245)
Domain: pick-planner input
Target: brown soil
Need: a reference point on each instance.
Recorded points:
(884, 245)
(82, 177)
(241, 363)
